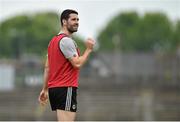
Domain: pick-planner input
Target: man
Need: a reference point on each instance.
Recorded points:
(62, 68)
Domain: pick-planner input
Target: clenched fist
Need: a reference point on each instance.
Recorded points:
(90, 43)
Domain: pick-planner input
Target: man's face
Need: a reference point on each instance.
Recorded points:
(72, 23)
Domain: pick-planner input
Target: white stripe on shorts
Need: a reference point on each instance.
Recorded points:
(68, 99)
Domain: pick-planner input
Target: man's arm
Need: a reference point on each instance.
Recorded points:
(46, 73)
(78, 61)
(43, 97)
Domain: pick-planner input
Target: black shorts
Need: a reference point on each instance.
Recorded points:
(63, 98)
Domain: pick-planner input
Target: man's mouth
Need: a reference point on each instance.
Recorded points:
(76, 25)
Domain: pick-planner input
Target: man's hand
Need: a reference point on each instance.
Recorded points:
(90, 43)
(43, 97)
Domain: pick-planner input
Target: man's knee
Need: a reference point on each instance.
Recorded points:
(63, 115)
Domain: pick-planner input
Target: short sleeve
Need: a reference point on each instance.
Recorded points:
(68, 47)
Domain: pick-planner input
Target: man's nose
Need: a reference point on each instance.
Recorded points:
(77, 22)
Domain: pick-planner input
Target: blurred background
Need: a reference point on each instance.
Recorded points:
(133, 73)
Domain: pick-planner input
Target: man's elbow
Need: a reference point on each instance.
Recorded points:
(46, 67)
(77, 66)
(76, 63)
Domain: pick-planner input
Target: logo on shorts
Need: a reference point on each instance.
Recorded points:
(74, 107)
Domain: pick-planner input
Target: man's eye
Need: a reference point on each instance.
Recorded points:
(75, 19)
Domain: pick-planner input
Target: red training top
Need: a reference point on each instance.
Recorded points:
(61, 71)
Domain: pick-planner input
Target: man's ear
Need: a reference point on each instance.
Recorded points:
(64, 22)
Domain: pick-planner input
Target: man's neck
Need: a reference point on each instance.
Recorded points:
(66, 32)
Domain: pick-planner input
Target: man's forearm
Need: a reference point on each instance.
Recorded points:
(78, 62)
(84, 57)
(46, 73)
(45, 85)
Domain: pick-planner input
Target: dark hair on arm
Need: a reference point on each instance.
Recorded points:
(65, 14)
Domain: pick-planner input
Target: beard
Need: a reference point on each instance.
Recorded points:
(72, 29)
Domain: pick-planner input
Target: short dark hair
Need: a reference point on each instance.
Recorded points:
(65, 14)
